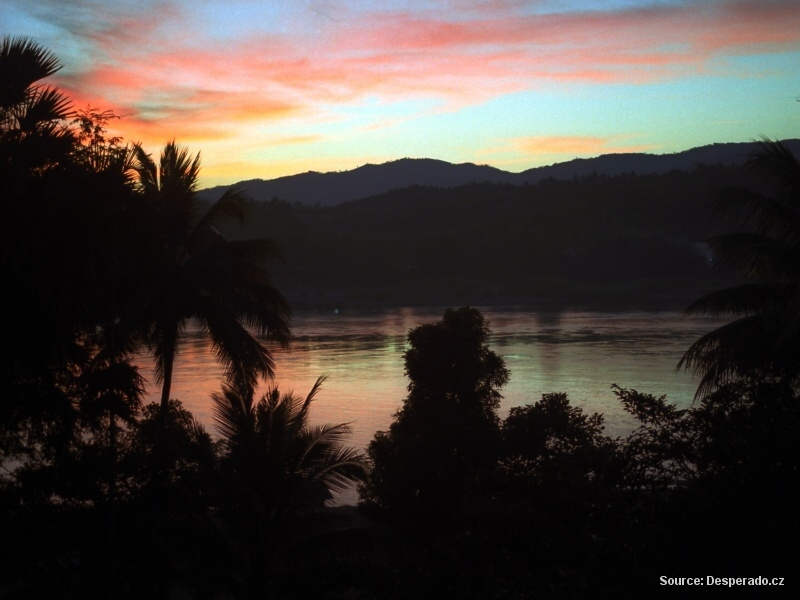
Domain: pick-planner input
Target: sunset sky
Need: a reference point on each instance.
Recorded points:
(271, 87)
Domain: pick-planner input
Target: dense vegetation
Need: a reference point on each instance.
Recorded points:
(543, 504)
(593, 241)
(101, 497)
(111, 254)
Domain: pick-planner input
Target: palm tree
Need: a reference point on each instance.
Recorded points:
(280, 472)
(197, 274)
(25, 105)
(35, 149)
(764, 339)
(270, 446)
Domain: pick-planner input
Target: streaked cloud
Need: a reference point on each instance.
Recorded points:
(209, 72)
(575, 145)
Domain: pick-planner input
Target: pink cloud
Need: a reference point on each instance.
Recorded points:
(619, 43)
(493, 48)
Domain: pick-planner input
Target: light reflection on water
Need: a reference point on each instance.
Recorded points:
(581, 353)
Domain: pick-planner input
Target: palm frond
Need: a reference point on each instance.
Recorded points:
(291, 454)
(263, 309)
(312, 394)
(146, 171)
(225, 284)
(734, 342)
(232, 205)
(746, 299)
(759, 256)
(254, 251)
(320, 439)
(775, 160)
(22, 63)
(280, 418)
(313, 451)
(286, 418)
(44, 106)
(179, 171)
(234, 266)
(127, 162)
(241, 355)
(325, 459)
(769, 215)
(233, 411)
(339, 468)
(206, 448)
(732, 350)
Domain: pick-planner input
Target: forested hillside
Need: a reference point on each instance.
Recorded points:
(587, 241)
(332, 188)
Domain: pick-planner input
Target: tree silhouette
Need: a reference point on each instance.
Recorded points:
(280, 471)
(66, 254)
(96, 149)
(447, 432)
(765, 336)
(198, 275)
(551, 441)
(270, 446)
(98, 266)
(26, 106)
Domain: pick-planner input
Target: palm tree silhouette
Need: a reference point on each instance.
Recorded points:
(198, 275)
(764, 339)
(280, 472)
(35, 168)
(25, 105)
(269, 444)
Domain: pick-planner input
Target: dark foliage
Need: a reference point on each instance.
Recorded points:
(764, 337)
(197, 274)
(592, 241)
(103, 498)
(117, 498)
(571, 513)
(563, 511)
(278, 475)
(71, 257)
(446, 434)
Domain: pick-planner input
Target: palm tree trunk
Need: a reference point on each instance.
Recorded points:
(168, 358)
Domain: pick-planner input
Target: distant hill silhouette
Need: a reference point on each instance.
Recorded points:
(330, 189)
(593, 240)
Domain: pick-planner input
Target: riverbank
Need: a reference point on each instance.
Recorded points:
(547, 294)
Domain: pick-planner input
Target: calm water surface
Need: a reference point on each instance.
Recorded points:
(581, 353)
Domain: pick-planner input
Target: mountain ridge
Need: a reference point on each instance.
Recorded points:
(338, 187)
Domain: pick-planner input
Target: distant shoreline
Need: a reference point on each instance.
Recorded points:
(649, 295)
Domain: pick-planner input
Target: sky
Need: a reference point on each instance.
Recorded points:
(265, 88)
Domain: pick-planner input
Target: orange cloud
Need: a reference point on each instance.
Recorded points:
(573, 145)
(170, 81)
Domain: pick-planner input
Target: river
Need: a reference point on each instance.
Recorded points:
(361, 351)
